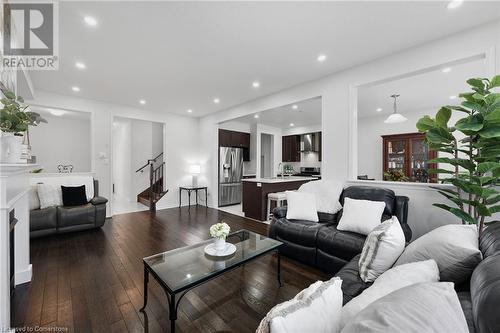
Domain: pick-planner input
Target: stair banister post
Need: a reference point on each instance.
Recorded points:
(151, 183)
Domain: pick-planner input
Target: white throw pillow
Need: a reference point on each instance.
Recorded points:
(306, 293)
(454, 247)
(327, 194)
(301, 206)
(393, 279)
(279, 308)
(361, 216)
(431, 307)
(319, 313)
(382, 248)
(49, 195)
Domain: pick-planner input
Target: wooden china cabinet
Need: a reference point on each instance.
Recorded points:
(410, 154)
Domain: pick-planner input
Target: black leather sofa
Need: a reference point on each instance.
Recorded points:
(61, 219)
(480, 299)
(320, 244)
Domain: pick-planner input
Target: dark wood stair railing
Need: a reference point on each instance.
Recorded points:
(155, 191)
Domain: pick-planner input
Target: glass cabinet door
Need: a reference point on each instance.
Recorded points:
(419, 158)
(396, 155)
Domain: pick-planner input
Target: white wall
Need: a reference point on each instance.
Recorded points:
(266, 155)
(142, 151)
(181, 142)
(276, 133)
(63, 140)
(157, 139)
(339, 98)
(122, 167)
(237, 126)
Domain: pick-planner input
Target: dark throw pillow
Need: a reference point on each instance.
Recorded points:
(74, 195)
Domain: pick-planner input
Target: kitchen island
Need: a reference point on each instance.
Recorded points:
(255, 191)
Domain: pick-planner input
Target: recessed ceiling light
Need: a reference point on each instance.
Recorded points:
(216, 100)
(256, 84)
(446, 70)
(321, 57)
(295, 106)
(75, 88)
(142, 101)
(57, 112)
(189, 111)
(256, 116)
(292, 124)
(90, 21)
(454, 4)
(378, 109)
(80, 65)
(453, 97)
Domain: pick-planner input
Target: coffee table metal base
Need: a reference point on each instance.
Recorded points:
(173, 301)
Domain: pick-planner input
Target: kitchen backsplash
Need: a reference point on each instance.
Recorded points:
(306, 160)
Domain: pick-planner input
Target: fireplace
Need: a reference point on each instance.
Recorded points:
(12, 247)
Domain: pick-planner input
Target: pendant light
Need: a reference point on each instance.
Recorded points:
(395, 117)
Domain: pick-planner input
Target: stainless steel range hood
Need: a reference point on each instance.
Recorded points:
(309, 142)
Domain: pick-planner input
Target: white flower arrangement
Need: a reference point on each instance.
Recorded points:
(220, 230)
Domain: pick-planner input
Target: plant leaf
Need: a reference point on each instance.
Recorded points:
(490, 131)
(425, 123)
(443, 116)
(487, 166)
(494, 209)
(495, 81)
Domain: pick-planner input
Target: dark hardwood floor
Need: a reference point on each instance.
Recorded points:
(92, 281)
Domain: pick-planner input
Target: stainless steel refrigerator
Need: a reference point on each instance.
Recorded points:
(230, 175)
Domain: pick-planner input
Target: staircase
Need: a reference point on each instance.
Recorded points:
(151, 195)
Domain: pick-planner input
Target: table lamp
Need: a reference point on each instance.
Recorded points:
(195, 170)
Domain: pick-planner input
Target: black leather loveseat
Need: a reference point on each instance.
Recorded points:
(320, 244)
(480, 297)
(61, 219)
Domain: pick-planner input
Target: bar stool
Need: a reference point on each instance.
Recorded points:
(279, 197)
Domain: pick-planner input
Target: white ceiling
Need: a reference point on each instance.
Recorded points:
(307, 113)
(181, 55)
(429, 90)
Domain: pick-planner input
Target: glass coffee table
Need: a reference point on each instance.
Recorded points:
(180, 270)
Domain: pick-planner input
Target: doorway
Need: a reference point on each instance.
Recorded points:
(266, 155)
(135, 144)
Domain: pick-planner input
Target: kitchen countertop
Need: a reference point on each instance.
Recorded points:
(279, 179)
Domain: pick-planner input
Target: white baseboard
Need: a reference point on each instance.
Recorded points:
(24, 275)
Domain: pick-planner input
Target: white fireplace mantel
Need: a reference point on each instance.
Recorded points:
(14, 188)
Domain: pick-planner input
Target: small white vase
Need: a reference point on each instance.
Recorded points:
(220, 244)
(14, 147)
(218, 265)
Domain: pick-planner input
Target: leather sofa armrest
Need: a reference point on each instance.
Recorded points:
(402, 215)
(98, 200)
(280, 212)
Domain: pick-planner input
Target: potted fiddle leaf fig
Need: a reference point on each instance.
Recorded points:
(468, 152)
(15, 121)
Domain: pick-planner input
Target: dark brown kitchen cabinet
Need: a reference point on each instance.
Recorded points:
(235, 139)
(290, 151)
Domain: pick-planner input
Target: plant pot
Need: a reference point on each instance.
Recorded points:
(11, 148)
(220, 244)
